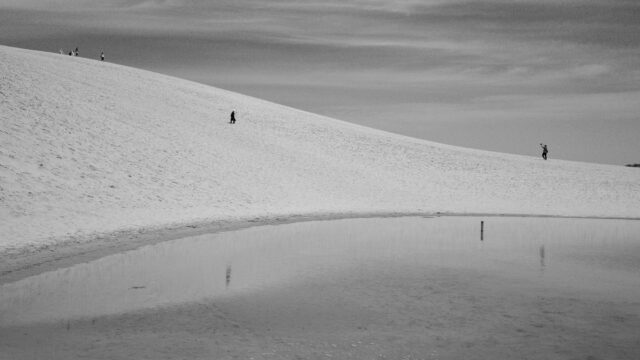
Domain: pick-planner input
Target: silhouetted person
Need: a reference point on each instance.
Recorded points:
(232, 119)
(75, 53)
(544, 151)
(102, 56)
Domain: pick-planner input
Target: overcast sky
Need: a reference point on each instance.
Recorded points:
(499, 75)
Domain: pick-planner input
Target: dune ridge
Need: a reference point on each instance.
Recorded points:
(90, 147)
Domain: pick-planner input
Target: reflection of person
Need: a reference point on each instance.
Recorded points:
(232, 120)
(544, 151)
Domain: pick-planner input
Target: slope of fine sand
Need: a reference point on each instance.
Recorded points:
(88, 147)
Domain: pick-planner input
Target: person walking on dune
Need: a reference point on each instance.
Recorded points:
(544, 151)
(232, 119)
(102, 56)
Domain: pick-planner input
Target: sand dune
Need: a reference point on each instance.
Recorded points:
(89, 147)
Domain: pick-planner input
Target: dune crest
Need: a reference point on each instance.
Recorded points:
(91, 147)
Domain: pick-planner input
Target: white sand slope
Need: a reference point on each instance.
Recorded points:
(89, 147)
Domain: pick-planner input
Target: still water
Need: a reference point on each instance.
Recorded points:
(573, 258)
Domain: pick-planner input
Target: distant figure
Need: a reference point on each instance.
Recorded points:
(544, 151)
(75, 53)
(61, 52)
(102, 56)
(71, 53)
(232, 120)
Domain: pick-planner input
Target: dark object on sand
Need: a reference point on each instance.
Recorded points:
(544, 151)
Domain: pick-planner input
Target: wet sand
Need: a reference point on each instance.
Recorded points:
(381, 309)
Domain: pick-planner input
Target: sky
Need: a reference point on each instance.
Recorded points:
(500, 75)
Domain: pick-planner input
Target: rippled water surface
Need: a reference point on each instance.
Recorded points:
(599, 259)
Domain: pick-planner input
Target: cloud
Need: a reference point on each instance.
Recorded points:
(603, 23)
(349, 56)
(507, 45)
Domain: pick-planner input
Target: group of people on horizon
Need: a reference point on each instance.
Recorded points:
(71, 53)
(76, 53)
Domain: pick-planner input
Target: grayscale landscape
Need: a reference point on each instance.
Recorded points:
(317, 180)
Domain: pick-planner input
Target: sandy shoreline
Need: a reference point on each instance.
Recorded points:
(22, 263)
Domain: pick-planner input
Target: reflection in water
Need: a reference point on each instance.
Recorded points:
(481, 230)
(599, 255)
(228, 276)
